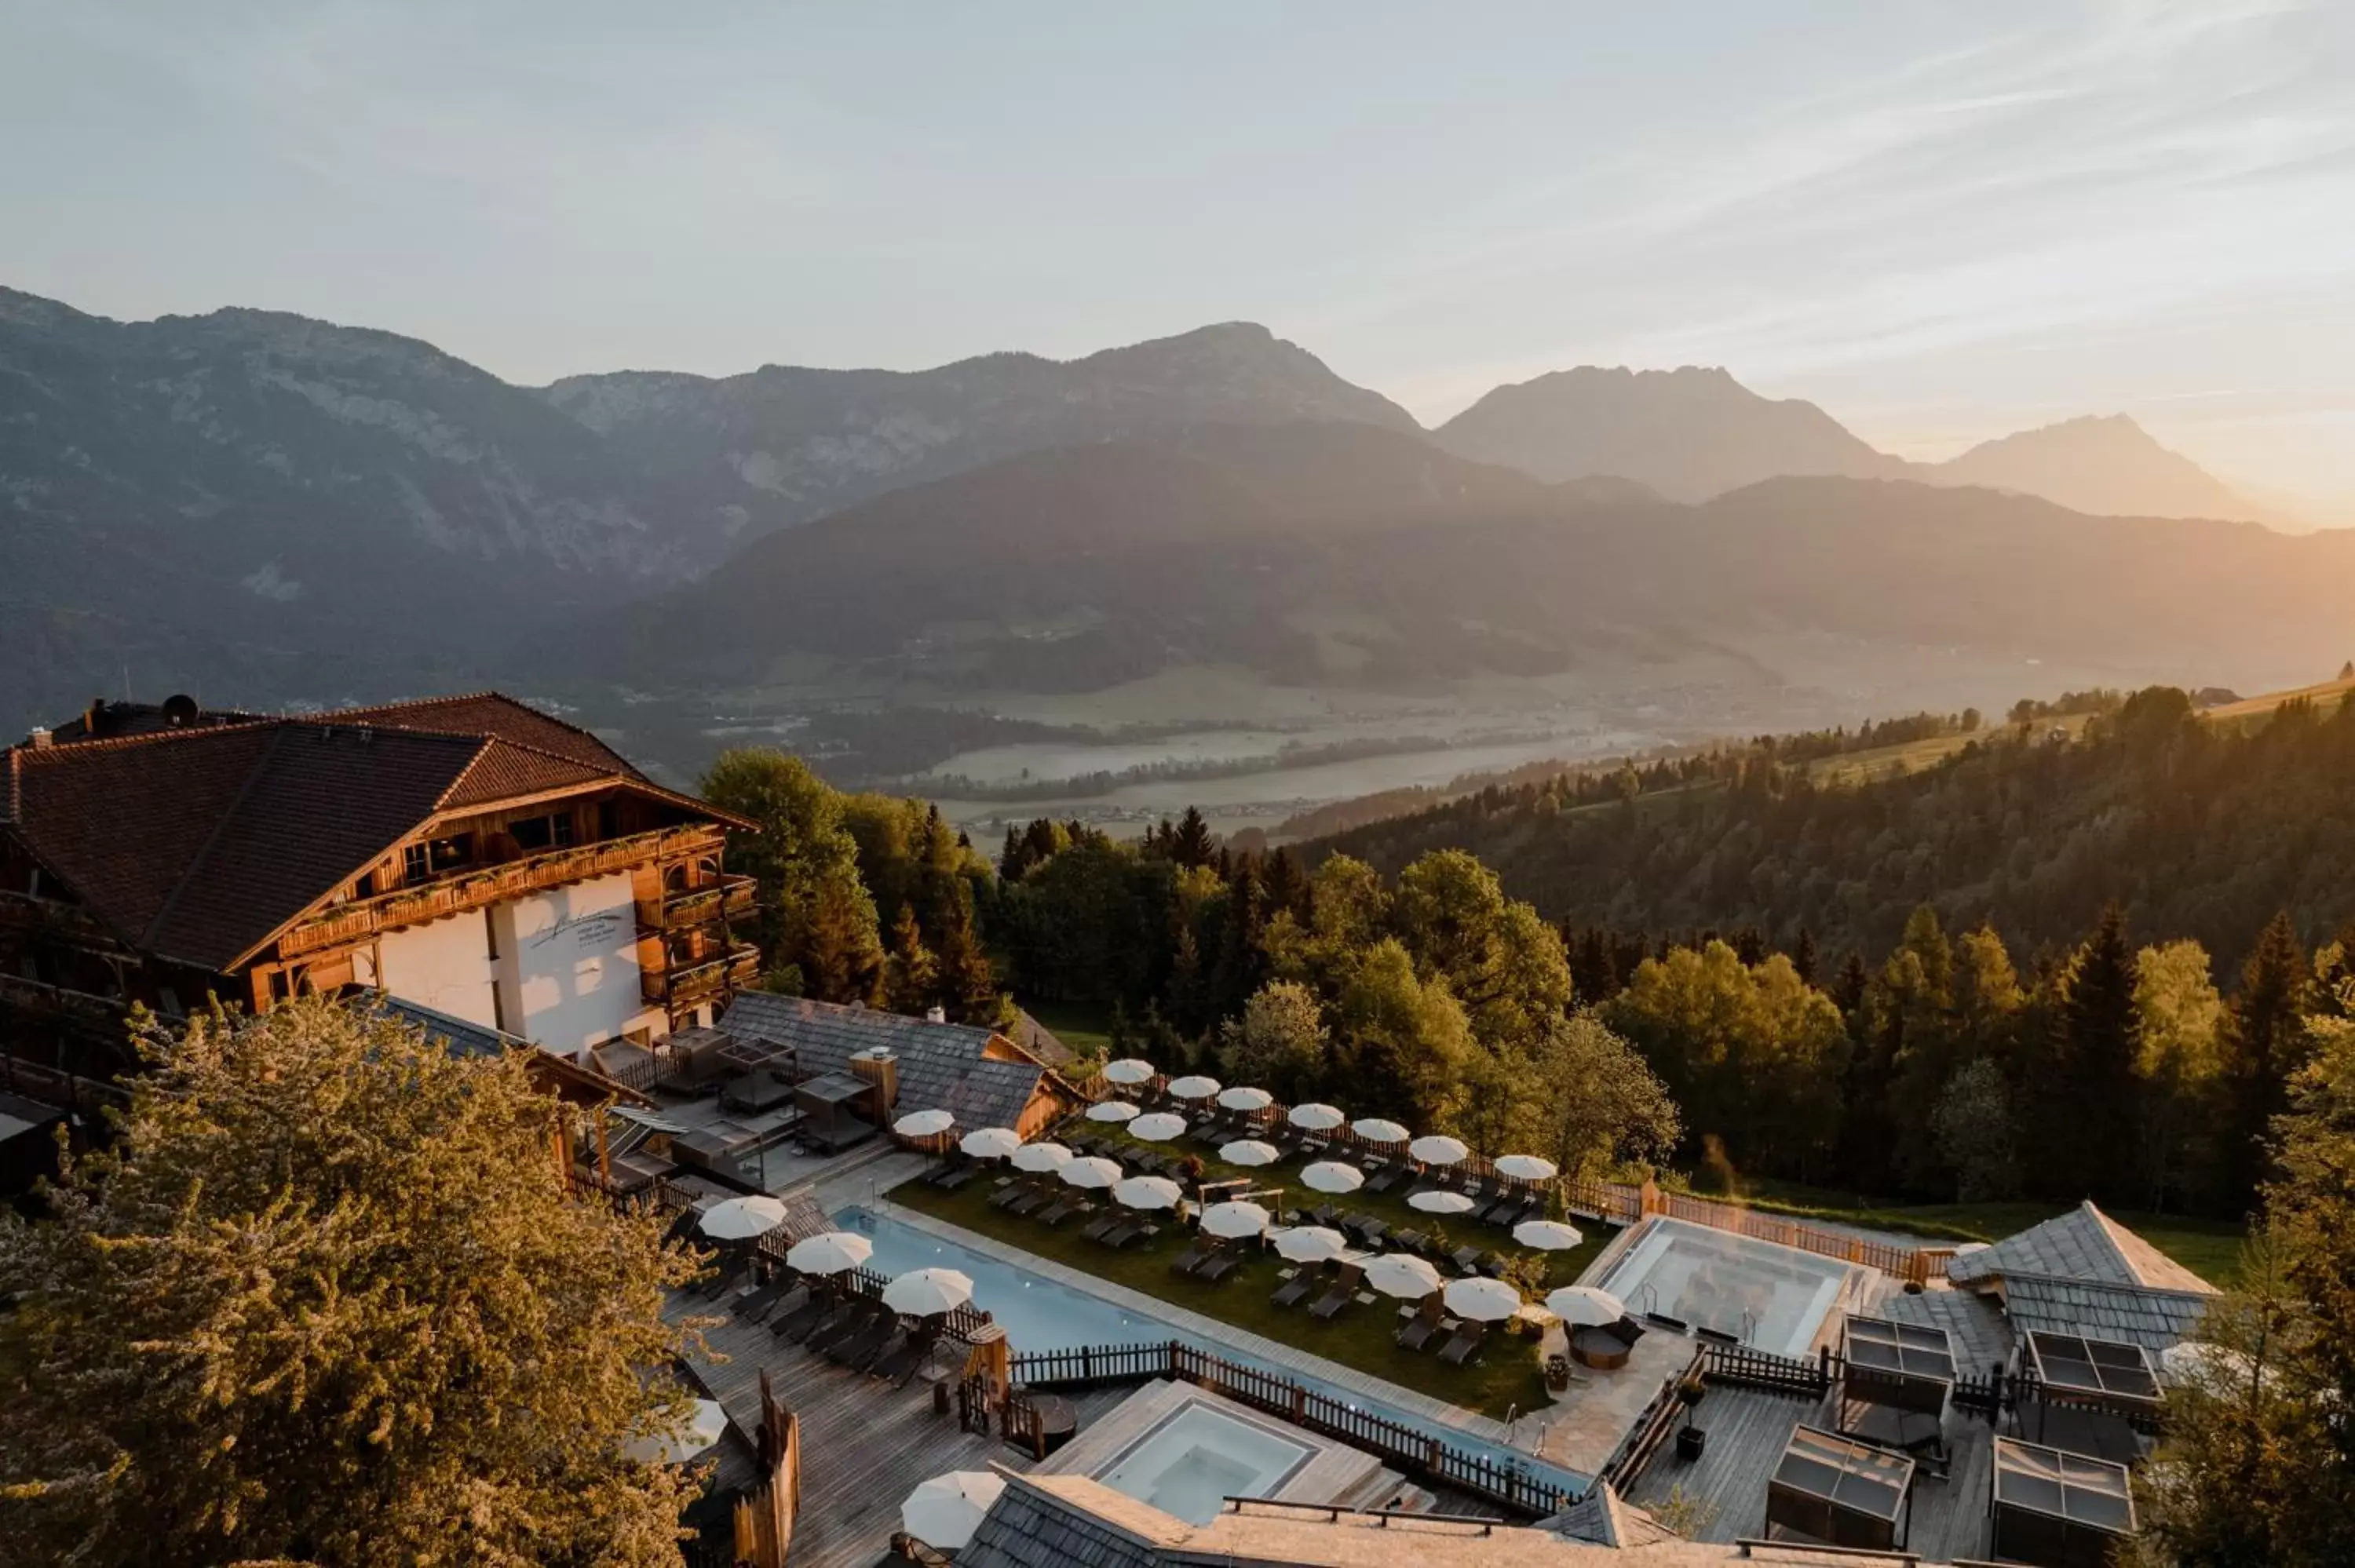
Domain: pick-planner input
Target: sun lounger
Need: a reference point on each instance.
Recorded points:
(899, 1364)
(1055, 1213)
(859, 1350)
(844, 1330)
(1295, 1290)
(955, 1179)
(1094, 1229)
(1418, 1331)
(1384, 1178)
(682, 1227)
(1035, 1198)
(1122, 1234)
(1218, 1265)
(1371, 1231)
(1466, 1259)
(1004, 1196)
(797, 1323)
(1345, 1287)
(1460, 1349)
(752, 1307)
(1193, 1257)
(1413, 1241)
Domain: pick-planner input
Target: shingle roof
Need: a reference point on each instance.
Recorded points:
(1603, 1518)
(1982, 1340)
(200, 843)
(2154, 1320)
(1029, 1527)
(457, 1036)
(2083, 1244)
(941, 1065)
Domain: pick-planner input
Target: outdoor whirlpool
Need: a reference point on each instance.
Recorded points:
(1192, 1461)
(1770, 1296)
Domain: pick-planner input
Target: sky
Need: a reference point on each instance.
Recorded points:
(1941, 221)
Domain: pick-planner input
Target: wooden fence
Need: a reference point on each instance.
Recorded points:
(1649, 1430)
(1404, 1447)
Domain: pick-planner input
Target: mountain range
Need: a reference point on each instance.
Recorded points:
(284, 507)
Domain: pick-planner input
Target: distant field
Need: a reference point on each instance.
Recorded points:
(1084, 1026)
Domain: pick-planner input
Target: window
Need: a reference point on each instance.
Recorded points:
(561, 825)
(415, 863)
(418, 861)
(530, 832)
(365, 886)
(608, 818)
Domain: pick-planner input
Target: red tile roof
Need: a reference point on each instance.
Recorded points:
(200, 844)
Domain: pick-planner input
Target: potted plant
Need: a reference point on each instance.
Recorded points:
(1690, 1439)
(1557, 1373)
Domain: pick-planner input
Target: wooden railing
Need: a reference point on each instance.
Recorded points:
(1649, 1430)
(730, 896)
(1404, 1447)
(731, 970)
(477, 886)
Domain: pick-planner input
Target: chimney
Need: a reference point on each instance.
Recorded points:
(40, 739)
(936, 1015)
(879, 1067)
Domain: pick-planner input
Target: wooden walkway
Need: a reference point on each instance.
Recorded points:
(1749, 1428)
(864, 1447)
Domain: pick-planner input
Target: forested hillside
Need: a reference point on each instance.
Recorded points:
(2199, 830)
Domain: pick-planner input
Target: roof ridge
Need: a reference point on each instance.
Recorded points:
(494, 695)
(70, 749)
(2076, 1283)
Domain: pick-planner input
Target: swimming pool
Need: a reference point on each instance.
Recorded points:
(1770, 1296)
(1041, 1315)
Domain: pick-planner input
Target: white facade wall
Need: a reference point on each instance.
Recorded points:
(446, 965)
(569, 965)
(559, 968)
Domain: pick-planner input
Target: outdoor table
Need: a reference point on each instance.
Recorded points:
(1058, 1419)
(1603, 1351)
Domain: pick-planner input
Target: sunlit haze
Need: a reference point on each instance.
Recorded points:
(1941, 222)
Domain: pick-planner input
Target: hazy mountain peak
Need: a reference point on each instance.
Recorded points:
(2103, 463)
(1690, 434)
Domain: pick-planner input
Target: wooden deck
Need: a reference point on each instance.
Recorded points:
(1748, 1430)
(864, 1447)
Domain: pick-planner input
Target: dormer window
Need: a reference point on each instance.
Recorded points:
(418, 861)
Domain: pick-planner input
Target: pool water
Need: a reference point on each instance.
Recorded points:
(1770, 1296)
(1193, 1460)
(1041, 1315)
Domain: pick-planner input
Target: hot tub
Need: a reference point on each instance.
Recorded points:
(1768, 1296)
(1189, 1462)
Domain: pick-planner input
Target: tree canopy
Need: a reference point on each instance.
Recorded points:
(327, 1299)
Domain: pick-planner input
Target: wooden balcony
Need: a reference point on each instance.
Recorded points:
(689, 984)
(477, 887)
(730, 898)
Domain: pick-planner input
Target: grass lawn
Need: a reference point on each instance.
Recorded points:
(1084, 1026)
(1505, 1374)
(2209, 1249)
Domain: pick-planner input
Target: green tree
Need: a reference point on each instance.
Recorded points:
(1401, 1043)
(1280, 1042)
(2180, 1067)
(818, 916)
(910, 974)
(2266, 1045)
(2097, 1051)
(1971, 1128)
(1590, 1105)
(327, 1299)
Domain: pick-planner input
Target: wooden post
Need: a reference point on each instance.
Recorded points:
(1647, 1198)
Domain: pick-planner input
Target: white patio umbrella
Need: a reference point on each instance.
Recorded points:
(1314, 1118)
(1374, 1129)
(1332, 1176)
(1403, 1275)
(829, 1252)
(1248, 1151)
(1435, 1148)
(1246, 1099)
(1090, 1172)
(1147, 1193)
(1040, 1158)
(944, 1511)
(741, 1219)
(1310, 1243)
(1482, 1300)
(706, 1425)
(928, 1292)
(1437, 1202)
(1157, 1126)
(1112, 1110)
(1128, 1070)
(1547, 1235)
(1527, 1168)
(990, 1142)
(924, 1124)
(1233, 1221)
(2204, 1362)
(1585, 1306)
(1193, 1086)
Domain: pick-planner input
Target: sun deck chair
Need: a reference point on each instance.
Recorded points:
(1122, 1232)
(1295, 1290)
(1413, 1241)
(1466, 1259)
(1384, 1177)
(845, 1328)
(1094, 1229)
(726, 1274)
(957, 1179)
(1419, 1329)
(899, 1364)
(798, 1323)
(1219, 1264)
(1056, 1212)
(753, 1307)
(681, 1227)
(1193, 1257)
(1468, 1339)
(1037, 1197)
(1371, 1231)
(858, 1351)
(1345, 1287)
(1004, 1196)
